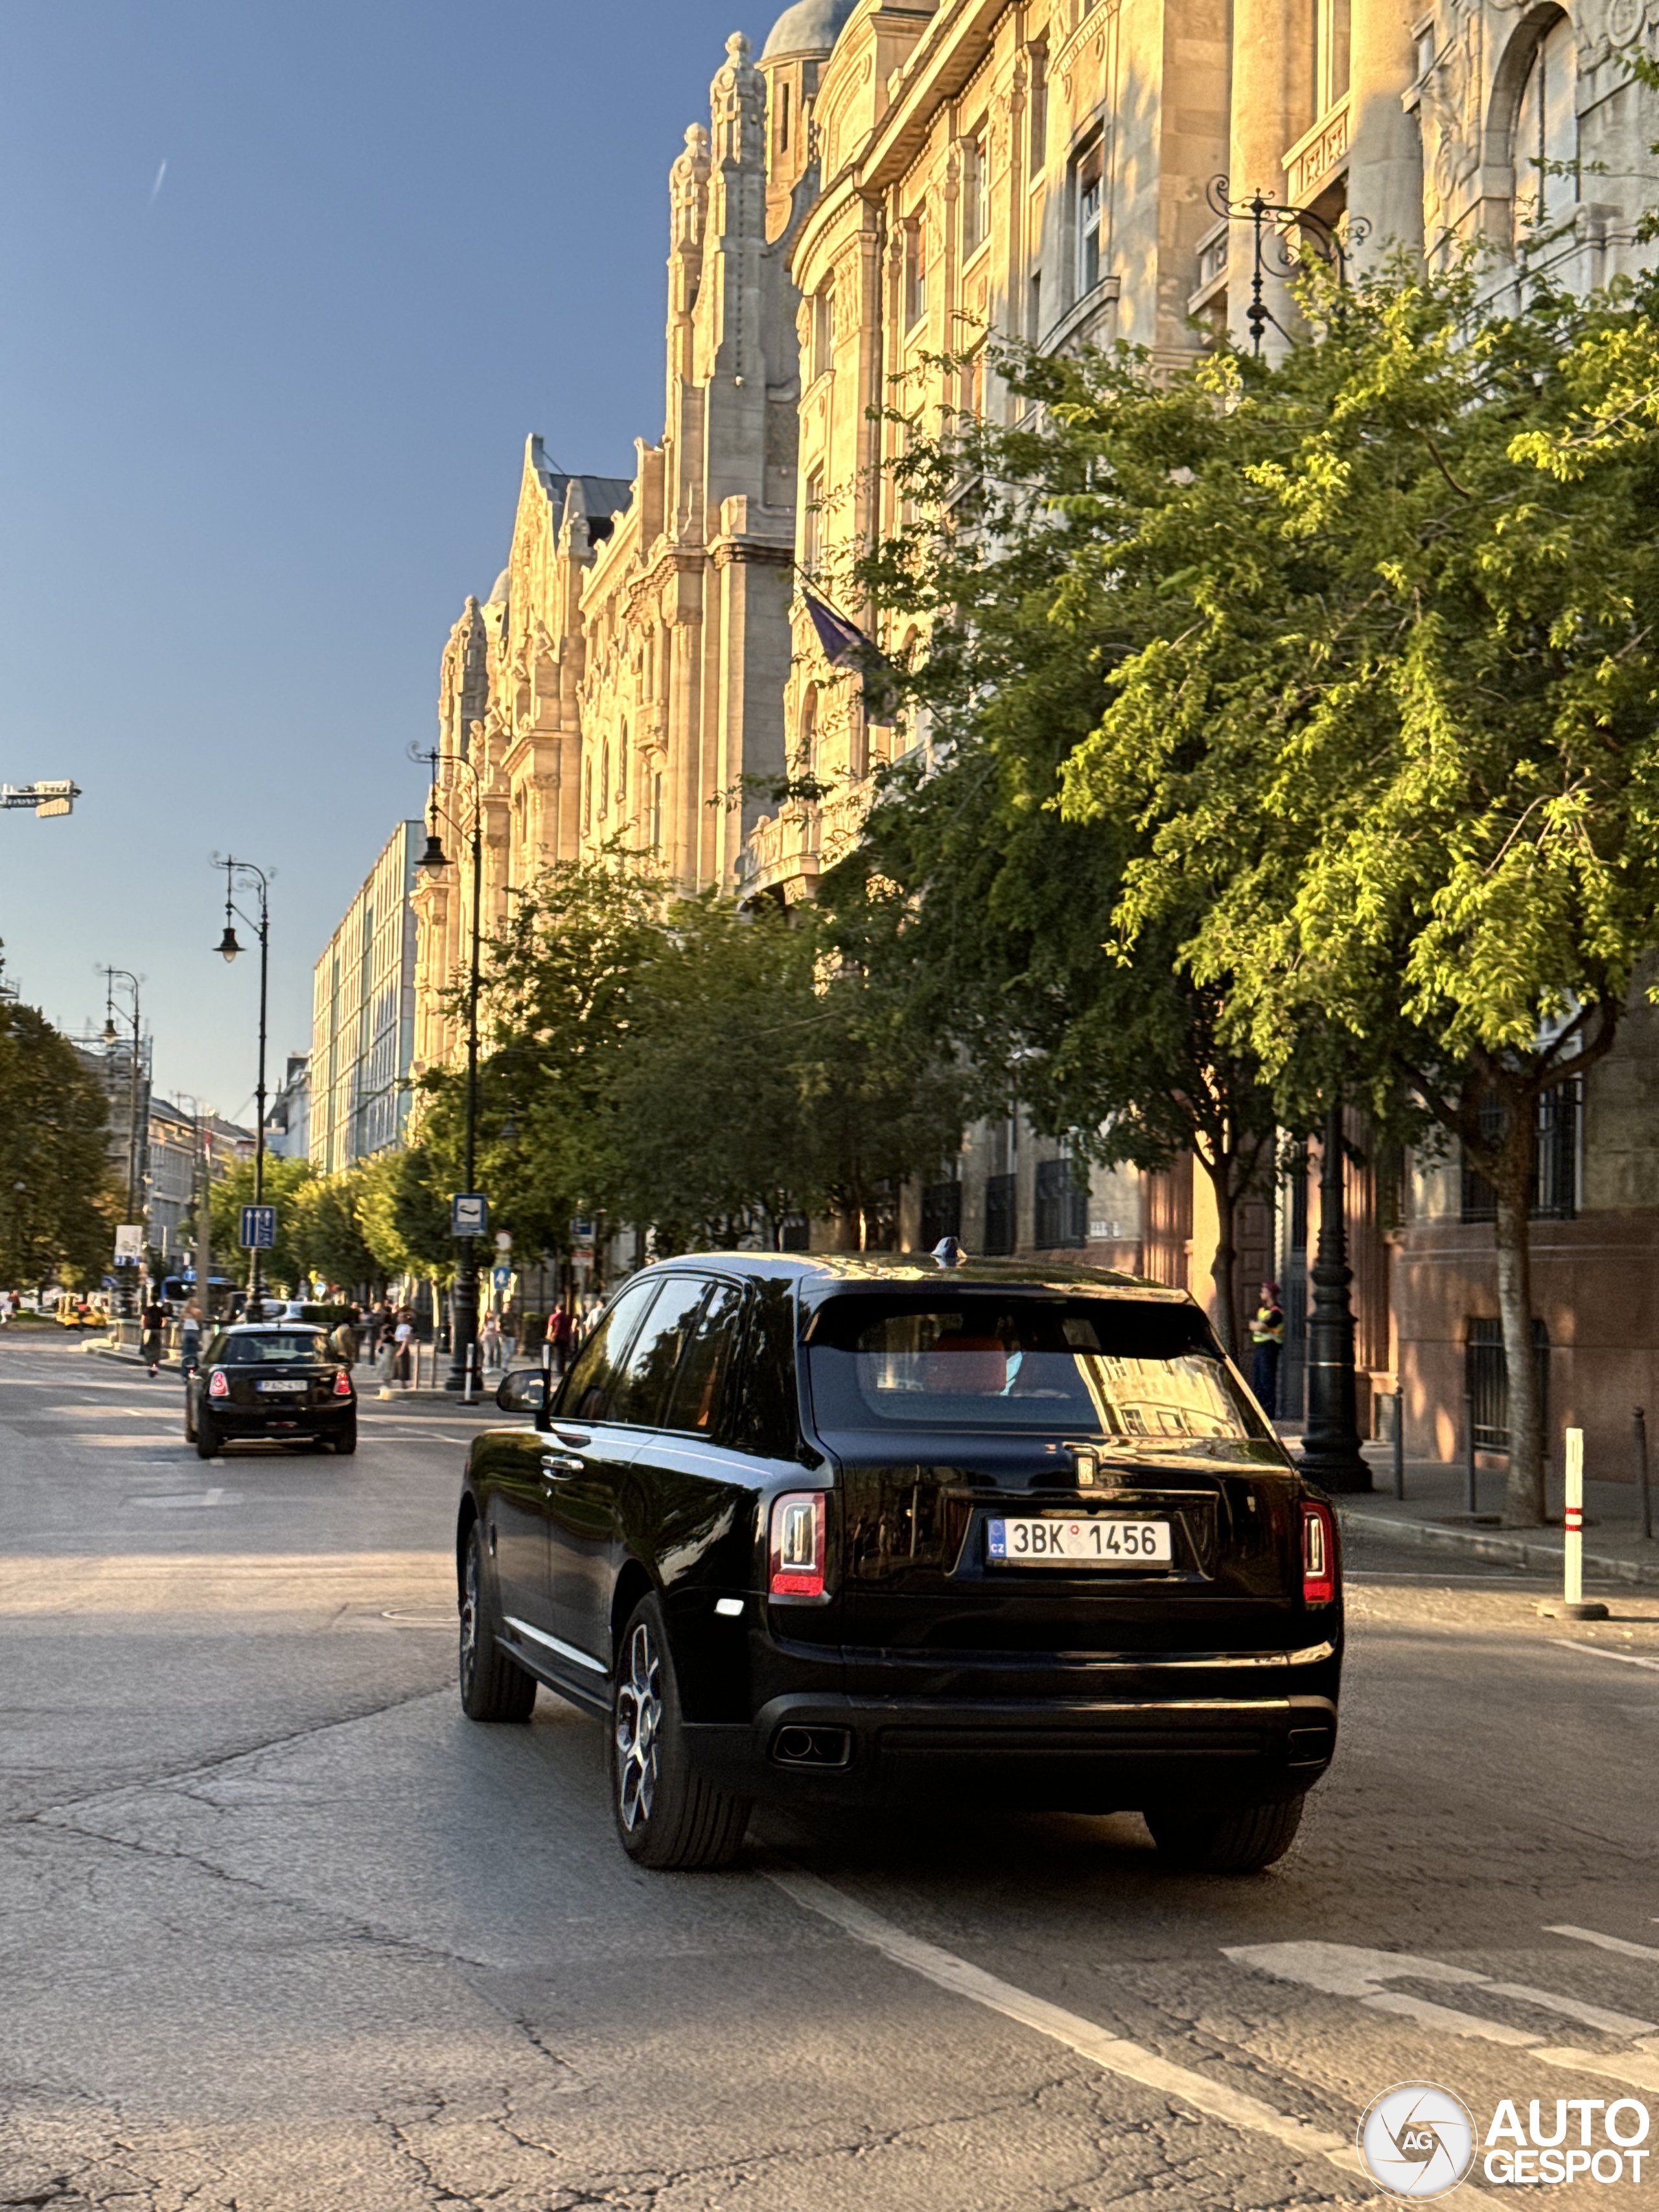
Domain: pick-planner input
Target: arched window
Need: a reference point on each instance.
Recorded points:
(1547, 135)
(806, 754)
(605, 780)
(587, 799)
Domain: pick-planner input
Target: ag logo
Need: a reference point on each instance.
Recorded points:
(1417, 2140)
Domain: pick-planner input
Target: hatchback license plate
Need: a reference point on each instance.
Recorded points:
(282, 1386)
(1093, 1542)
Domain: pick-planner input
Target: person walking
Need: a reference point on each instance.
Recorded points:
(560, 1334)
(190, 1336)
(402, 1336)
(151, 1322)
(1267, 1336)
(490, 1341)
(343, 1342)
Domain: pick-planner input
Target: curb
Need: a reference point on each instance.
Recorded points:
(1509, 1551)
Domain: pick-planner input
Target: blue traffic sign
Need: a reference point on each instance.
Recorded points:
(259, 1228)
(468, 1216)
(501, 1277)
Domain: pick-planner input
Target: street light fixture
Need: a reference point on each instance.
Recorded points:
(239, 873)
(462, 1372)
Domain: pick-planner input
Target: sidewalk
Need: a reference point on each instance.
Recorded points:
(1432, 1513)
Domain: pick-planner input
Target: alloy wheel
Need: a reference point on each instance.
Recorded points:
(639, 1722)
(470, 1619)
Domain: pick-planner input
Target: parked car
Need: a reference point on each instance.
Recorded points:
(834, 1530)
(269, 1383)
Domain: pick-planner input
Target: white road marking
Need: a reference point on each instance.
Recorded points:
(1349, 1970)
(1115, 2054)
(177, 1500)
(1594, 1651)
(1606, 1942)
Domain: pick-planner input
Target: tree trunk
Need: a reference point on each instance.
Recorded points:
(1223, 1268)
(1524, 1493)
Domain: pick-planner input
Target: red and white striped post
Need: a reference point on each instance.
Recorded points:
(1574, 1605)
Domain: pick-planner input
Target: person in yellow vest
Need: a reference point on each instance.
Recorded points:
(1268, 1335)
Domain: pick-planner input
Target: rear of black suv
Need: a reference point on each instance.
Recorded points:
(1044, 1551)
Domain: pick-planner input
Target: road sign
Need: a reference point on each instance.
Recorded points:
(259, 1228)
(129, 1241)
(501, 1277)
(503, 1240)
(469, 1215)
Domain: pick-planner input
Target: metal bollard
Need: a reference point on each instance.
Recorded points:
(1638, 1422)
(1468, 1449)
(1399, 1444)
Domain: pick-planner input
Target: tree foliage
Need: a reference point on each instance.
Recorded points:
(58, 1201)
(287, 1185)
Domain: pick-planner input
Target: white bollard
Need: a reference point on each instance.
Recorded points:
(1573, 1606)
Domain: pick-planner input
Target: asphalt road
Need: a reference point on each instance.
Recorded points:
(279, 1928)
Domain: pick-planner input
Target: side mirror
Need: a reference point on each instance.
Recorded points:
(523, 1391)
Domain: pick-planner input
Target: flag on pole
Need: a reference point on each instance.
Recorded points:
(845, 645)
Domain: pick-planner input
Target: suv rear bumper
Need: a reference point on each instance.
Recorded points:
(1081, 1755)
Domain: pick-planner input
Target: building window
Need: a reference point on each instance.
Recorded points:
(1330, 49)
(823, 331)
(783, 117)
(1547, 135)
(587, 799)
(1034, 308)
(806, 751)
(605, 780)
(915, 273)
(1555, 1192)
(1000, 1205)
(656, 813)
(973, 195)
(1086, 176)
(1039, 144)
(812, 524)
(941, 1212)
(1487, 1380)
(1062, 1209)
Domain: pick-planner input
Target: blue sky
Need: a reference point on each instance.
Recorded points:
(261, 429)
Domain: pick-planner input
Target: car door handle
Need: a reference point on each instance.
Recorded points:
(562, 1463)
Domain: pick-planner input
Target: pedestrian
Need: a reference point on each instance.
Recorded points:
(561, 1335)
(151, 1322)
(402, 1336)
(1268, 1335)
(344, 1342)
(190, 1336)
(490, 1341)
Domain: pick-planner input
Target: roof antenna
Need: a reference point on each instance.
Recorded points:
(948, 1252)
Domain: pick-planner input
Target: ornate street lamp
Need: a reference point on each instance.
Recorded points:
(432, 862)
(1271, 222)
(239, 873)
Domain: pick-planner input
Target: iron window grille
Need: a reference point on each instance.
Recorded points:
(1000, 1204)
(1555, 1192)
(1062, 1209)
(1486, 1379)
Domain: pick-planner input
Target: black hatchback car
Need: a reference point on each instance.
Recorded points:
(834, 1529)
(272, 1382)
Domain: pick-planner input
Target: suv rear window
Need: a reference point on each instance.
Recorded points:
(1143, 1373)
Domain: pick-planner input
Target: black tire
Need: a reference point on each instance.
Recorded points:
(667, 1816)
(345, 1439)
(1243, 1839)
(190, 1425)
(493, 1686)
(207, 1439)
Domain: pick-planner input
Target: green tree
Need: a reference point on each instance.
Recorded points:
(286, 1185)
(1386, 732)
(327, 1232)
(403, 1213)
(58, 1203)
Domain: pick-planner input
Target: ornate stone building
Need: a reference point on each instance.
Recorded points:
(890, 184)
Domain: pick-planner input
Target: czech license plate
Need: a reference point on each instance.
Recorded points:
(282, 1386)
(1095, 1542)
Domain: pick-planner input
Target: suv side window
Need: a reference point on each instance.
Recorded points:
(643, 1382)
(588, 1386)
(764, 1419)
(694, 1406)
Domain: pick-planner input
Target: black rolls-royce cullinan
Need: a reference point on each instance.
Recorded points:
(837, 1530)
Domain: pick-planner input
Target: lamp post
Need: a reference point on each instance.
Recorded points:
(1330, 1447)
(463, 1370)
(112, 976)
(237, 874)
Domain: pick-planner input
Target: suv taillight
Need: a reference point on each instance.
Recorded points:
(218, 1383)
(797, 1545)
(343, 1384)
(1318, 1554)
